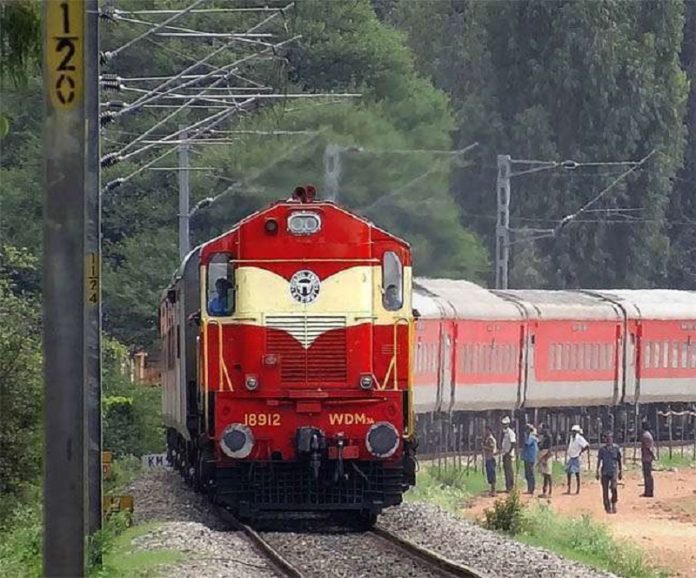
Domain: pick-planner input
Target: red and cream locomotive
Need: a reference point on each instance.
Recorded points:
(286, 373)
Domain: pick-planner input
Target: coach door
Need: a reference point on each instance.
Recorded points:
(445, 390)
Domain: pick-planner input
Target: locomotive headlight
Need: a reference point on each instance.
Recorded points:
(304, 223)
(237, 441)
(382, 439)
(251, 382)
(366, 381)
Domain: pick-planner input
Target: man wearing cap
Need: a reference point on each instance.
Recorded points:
(529, 456)
(507, 449)
(576, 447)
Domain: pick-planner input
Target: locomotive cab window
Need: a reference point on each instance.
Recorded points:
(221, 285)
(392, 282)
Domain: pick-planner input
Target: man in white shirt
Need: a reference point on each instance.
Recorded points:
(507, 449)
(576, 447)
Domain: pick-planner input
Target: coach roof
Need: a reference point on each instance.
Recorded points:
(653, 303)
(465, 300)
(575, 305)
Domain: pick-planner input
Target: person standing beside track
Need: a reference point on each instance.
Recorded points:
(507, 449)
(490, 448)
(609, 463)
(576, 447)
(529, 457)
(546, 459)
(647, 457)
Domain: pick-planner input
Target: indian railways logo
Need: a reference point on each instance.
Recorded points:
(304, 286)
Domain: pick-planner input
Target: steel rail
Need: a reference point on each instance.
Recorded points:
(278, 564)
(443, 565)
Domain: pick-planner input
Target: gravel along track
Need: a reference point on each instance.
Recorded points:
(345, 555)
(464, 542)
(191, 525)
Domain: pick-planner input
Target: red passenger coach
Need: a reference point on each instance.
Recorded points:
(287, 373)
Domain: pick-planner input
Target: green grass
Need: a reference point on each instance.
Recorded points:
(121, 560)
(450, 488)
(676, 461)
(577, 538)
(584, 540)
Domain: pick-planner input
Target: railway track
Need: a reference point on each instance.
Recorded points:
(278, 563)
(290, 558)
(428, 557)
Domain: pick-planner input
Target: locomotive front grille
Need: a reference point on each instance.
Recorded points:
(310, 348)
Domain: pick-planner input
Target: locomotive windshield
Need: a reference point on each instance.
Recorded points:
(221, 286)
(392, 282)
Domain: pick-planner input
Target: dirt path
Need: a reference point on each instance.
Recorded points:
(665, 526)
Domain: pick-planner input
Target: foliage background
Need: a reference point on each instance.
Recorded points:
(591, 81)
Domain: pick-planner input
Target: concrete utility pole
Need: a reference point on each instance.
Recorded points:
(332, 171)
(93, 275)
(184, 194)
(502, 227)
(66, 290)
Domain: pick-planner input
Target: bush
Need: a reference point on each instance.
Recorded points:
(102, 542)
(132, 413)
(506, 515)
(21, 543)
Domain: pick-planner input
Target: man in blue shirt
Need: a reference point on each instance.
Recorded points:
(530, 452)
(219, 305)
(609, 464)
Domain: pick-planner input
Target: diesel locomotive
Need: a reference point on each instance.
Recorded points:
(286, 370)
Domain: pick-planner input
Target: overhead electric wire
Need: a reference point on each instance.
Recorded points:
(179, 109)
(207, 10)
(145, 34)
(565, 220)
(176, 77)
(214, 118)
(156, 94)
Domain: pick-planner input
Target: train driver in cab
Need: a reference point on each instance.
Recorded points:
(221, 304)
(392, 299)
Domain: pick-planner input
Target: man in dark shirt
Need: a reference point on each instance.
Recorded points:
(609, 464)
(647, 457)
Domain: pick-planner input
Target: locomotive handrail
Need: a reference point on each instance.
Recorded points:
(221, 359)
(205, 373)
(397, 322)
(393, 363)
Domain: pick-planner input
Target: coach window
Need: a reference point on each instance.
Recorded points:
(392, 282)
(221, 285)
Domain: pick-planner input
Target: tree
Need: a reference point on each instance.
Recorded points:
(585, 81)
(20, 382)
(682, 208)
(20, 42)
(344, 47)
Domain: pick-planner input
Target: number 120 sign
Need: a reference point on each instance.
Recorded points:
(64, 51)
